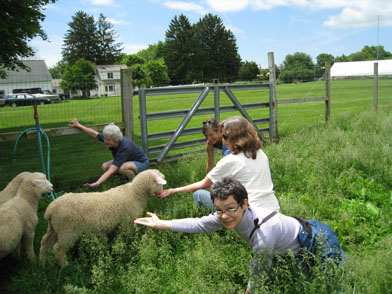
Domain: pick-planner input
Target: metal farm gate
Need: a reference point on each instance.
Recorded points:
(187, 114)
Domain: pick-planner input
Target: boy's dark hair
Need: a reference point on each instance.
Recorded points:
(226, 187)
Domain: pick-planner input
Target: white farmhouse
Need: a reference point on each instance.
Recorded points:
(108, 80)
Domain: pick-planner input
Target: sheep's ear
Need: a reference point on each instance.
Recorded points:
(160, 180)
(38, 182)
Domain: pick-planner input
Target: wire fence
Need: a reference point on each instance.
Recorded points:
(76, 159)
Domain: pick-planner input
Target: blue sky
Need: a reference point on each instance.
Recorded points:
(260, 26)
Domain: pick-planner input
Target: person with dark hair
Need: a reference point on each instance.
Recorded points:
(211, 131)
(268, 232)
(246, 163)
(129, 159)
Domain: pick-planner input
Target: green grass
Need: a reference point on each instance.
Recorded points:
(339, 173)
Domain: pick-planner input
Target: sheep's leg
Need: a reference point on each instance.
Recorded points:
(47, 240)
(28, 242)
(65, 241)
(59, 252)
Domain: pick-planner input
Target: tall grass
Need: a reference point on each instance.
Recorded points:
(339, 173)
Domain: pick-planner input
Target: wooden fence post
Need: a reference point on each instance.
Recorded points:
(273, 103)
(127, 102)
(375, 87)
(327, 90)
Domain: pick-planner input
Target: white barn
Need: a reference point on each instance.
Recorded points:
(361, 68)
(38, 77)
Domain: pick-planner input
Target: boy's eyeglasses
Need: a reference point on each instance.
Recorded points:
(229, 211)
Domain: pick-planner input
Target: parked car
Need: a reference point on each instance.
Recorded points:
(23, 99)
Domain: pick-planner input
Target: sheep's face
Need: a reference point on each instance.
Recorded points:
(39, 183)
(159, 179)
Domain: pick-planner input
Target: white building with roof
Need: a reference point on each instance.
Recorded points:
(37, 79)
(108, 80)
(361, 68)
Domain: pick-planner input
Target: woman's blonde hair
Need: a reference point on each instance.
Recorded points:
(241, 135)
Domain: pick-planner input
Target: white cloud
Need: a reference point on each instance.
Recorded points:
(365, 14)
(134, 48)
(118, 22)
(185, 6)
(236, 31)
(353, 13)
(102, 2)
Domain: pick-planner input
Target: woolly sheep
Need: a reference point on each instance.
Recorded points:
(73, 213)
(18, 216)
(10, 190)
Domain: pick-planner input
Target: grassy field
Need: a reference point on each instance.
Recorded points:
(76, 159)
(339, 173)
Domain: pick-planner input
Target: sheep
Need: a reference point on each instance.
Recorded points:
(10, 190)
(74, 213)
(18, 216)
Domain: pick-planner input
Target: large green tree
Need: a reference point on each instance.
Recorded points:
(20, 21)
(179, 50)
(219, 58)
(93, 41)
(297, 67)
(80, 76)
(108, 51)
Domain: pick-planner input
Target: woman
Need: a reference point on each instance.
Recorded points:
(246, 163)
(267, 232)
(214, 140)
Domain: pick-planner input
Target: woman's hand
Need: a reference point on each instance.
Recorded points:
(93, 185)
(165, 193)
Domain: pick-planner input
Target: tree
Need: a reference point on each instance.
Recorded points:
(179, 50)
(367, 53)
(320, 65)
(108, 52)
(156, 73)
(80, 76)
(298, 67)
(20, 21)
(219, 53)
(90, 40)
(248, 71)
(153, 52)
(80, 40)
(58, 69)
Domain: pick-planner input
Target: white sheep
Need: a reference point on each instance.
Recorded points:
(73, 213)
(18, 216)
(10, 190)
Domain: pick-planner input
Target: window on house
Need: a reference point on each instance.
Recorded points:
(110, 75)
(109, 88)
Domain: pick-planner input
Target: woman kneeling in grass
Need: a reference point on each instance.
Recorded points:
(267, 232)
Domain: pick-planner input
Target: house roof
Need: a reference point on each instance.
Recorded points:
(111, 67)
(102, 69)
(361, 68)
(39, 72)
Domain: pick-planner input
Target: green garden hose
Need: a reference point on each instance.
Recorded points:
(45, 170)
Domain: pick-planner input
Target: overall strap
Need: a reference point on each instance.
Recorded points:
(257, 225)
